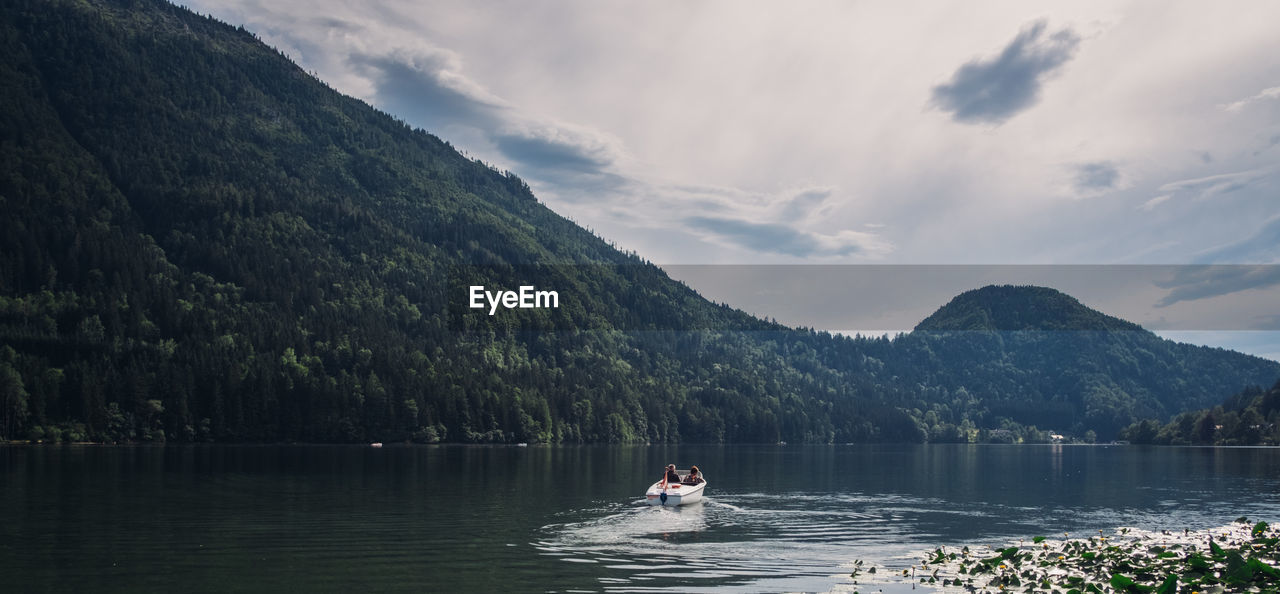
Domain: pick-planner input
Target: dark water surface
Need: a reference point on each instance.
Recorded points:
(455, 518)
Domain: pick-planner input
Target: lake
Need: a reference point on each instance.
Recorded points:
(458, 518)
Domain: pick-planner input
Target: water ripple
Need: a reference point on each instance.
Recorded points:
(748, 539)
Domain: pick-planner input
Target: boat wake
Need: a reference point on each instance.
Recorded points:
(751, 541)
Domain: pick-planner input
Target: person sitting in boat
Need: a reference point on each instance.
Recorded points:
(694, 477)
(672, 476)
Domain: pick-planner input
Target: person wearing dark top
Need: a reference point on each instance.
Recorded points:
(672, 476)
(694, 477)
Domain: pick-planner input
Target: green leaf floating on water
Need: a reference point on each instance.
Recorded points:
(1120, 582)
(1123, 583)
(1215, 549)
(1170, 585)
(1258, 529)
(1038, 539)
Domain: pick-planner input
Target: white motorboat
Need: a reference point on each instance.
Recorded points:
(671, 494)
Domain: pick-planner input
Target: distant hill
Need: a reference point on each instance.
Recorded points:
(202, 242)
(1006, 308)
(1039, 356)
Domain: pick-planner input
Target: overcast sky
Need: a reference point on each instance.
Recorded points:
(843, 132)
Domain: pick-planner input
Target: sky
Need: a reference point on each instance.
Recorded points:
(847, 133)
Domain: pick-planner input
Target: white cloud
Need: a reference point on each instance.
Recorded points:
(1213, 185)
(777, 238)
(1262, 245)
(1154, 202)
(1271, 93)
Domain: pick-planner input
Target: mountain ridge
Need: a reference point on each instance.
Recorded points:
(204, 243)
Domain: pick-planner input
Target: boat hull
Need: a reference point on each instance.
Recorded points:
(676, 494)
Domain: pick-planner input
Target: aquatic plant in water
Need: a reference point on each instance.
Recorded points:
(1239, 557)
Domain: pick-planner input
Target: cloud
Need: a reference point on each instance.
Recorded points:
(1220, 277)
(1263, 95)
(549, 153)
(781, 239)
(1100, 175)
(992, 90)
(1261, 246)
(1192, 283)
(428, 88)
(804, 204)
(1154, 202)
(425, 88)
(829, 105)
(558, 147)
(1213, 185)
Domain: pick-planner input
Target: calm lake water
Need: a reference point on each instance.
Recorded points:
(455, 518)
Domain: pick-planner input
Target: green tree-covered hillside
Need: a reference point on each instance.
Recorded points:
(202, 242)
(1249, 418)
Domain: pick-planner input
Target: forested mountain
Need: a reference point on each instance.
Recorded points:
(1041, 357)
(202, 242)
